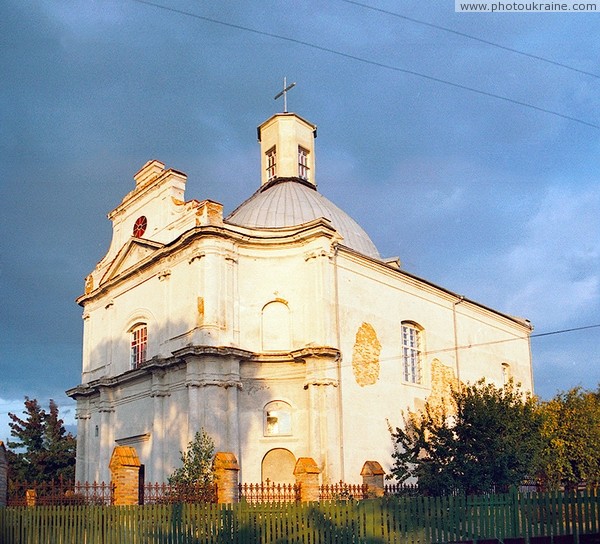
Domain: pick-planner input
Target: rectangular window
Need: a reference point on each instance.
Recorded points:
(139, 342)
(271, 163)
(411, 354)
(303, 169)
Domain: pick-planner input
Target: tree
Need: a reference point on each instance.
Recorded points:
(197, 467)
(571, 430)
(491, 442)
(60, 445)
(42, 450)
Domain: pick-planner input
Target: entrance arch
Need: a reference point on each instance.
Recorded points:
(278, 466)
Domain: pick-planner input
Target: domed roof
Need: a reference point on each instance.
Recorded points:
(289, 202)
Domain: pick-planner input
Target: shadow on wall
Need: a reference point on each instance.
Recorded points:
(156, 405)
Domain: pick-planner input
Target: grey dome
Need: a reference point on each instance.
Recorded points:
(290, 202)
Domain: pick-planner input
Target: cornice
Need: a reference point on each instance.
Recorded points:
(317, 352)
(221, 351)
(237, 234)
(391, 270)
(180, 359)
(142, 190)
(317, 382)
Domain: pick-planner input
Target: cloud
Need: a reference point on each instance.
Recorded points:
(556, 266)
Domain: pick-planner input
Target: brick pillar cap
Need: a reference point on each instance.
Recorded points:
(372, 468)
(226, 460)
(306, 465)
(124, 456)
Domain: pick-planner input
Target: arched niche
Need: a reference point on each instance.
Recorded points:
(275, 326)
(278, 466)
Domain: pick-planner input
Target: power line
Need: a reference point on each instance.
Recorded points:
(492, 342)
(471, 37)
(565, 330)
(370, 62)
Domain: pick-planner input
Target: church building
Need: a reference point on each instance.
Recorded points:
(279, 328)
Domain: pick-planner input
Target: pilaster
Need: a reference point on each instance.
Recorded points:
(213, 381)
(321, 383)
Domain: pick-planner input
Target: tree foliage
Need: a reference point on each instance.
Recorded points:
(571, 431)
(491, 442)
(42, 450)
(197, 465)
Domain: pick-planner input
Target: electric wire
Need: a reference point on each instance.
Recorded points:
(470, 37)
(371, 62)
(492, 342)
(300, 373)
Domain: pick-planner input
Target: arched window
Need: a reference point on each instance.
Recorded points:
(303, 168)
(411, 352)
(276, 327)
(505, 373)
(277, 419)
(139, 344)
(271, 163)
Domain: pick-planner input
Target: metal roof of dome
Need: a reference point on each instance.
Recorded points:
(289, 202)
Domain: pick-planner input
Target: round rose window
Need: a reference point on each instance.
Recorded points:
(139, 227)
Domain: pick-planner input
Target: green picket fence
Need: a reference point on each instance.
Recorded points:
(418, 520)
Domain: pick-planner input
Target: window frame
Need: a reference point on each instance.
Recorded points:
(278, 407)
(271, 156)
(303, 163)
(412, 352)
(138, 345)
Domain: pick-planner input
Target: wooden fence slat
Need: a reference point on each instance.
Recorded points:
(532, 517)
(595, 496)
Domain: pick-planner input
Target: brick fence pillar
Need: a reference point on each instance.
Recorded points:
(125, 475)
(227, 471)
(307, 473)
(372, 475)
(30, 497)
(3, 475)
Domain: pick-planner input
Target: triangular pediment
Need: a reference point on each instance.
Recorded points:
(132, 253)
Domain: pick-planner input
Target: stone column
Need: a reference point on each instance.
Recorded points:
(227, 471)
(3, 475)
(125, 475)
(307, 473)
(372, 475)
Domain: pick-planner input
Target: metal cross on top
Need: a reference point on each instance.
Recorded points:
(283, 93)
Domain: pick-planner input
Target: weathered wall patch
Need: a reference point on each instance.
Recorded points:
(365, 356)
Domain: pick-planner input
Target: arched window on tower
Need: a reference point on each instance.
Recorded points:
(276, 327)
(271, 163)
(303, 168)
(411, 352)
(138, 335)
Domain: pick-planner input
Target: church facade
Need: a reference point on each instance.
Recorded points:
(279, 329)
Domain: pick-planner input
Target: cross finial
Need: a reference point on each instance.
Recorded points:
(283, 93)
